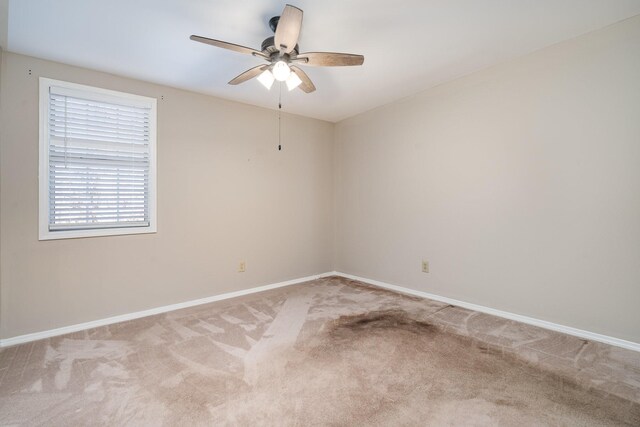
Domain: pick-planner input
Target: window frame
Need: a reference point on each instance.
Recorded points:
(98, 94)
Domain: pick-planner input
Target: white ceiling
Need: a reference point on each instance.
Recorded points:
(409, 45)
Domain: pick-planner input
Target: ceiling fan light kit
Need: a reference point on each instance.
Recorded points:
(282, 53)
(267, 78)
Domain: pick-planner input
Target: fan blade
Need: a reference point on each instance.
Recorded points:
(306, 85)
(330, 59)
(288, 29)
(249, 74)
(225, 45)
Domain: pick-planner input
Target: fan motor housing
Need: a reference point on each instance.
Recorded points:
(269, 47)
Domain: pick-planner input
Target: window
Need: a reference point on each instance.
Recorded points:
(97, 162)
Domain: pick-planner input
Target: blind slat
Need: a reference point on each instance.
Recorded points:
(87, 104)
(91, 137)
(92, 179)
(95, 133)
(64, 209)
(112, 165)
(72, 155)
(124, 187)
(103, 215)
(82, 119)
(97, 225)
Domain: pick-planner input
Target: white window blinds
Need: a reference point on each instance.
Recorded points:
(98, 161)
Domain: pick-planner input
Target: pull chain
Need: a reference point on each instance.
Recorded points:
(279, 113)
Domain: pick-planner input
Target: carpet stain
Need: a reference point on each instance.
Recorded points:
(410, 365)
(377, 321)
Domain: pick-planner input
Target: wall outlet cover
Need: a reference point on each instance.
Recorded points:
(425, 266)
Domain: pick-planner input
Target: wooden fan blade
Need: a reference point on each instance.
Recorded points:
(288, 29)
(248, 75)
(226, 45)
(330, 59)
(306, 85)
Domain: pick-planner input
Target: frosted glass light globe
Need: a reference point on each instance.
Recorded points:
(293, 81)
(281, 71)
(266, 78)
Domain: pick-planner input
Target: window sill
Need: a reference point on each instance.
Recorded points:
(79, 234)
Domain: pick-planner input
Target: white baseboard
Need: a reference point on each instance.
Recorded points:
(505, 314)
(138, 314)
(488, 310)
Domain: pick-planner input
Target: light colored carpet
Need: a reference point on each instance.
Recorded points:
(329, 352)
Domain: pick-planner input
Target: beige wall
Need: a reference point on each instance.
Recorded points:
(520, 184)
(225, 194)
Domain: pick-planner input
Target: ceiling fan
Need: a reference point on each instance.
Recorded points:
(282, 53)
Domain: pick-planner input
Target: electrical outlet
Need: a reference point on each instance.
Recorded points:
(425, 266)
(242, 267)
